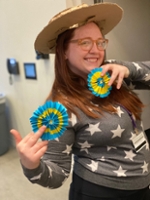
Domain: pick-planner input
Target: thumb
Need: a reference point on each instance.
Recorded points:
(16, 135)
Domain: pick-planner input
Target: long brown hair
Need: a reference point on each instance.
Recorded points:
(71, 89)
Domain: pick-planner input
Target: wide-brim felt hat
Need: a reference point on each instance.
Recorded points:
(106, 15)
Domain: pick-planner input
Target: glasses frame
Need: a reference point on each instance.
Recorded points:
(79, 41)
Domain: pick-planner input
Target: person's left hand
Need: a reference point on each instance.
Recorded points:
(117, 72)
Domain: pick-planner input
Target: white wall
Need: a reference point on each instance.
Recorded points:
(70, 3)
(20, 22)
(130, 40)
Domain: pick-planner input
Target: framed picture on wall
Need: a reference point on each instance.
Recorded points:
(30, 71)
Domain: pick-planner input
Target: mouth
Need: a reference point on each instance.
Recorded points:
(92, 60)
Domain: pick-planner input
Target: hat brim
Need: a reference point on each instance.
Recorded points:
(107, 15)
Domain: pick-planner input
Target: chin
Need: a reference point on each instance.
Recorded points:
(93, 67)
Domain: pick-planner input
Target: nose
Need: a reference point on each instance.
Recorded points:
(94, 48)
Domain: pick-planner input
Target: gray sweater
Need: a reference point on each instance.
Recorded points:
(105, 151)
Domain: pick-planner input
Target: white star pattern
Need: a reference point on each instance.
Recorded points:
(145, 167)
(50, 171)
(129, 155)
(73, 119)
(85, 149)
(120, 172)
(68, 149)
(93, 165)
(147, 77)
(66, 174)
(110, 147)
(56, 139)
(84, 146)
(36, 177)
(132, 136)
(131, 86)
(93, 128)
(119, 111)
(117, 132)
(136, 65)
(101, 159)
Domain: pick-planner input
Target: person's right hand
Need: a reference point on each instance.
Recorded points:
(30, 150)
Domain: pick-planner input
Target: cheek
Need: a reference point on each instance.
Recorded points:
(70, 50)
(103, 56)
(73, 55)
(103, 53)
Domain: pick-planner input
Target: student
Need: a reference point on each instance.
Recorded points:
(105, 135)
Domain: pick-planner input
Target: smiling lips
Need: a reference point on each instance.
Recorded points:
(93, 60)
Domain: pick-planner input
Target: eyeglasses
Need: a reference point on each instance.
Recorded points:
(87, 43)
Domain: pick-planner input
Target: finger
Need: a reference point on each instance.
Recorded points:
(104, 70)
(40, 153)
(120, 80)
(39, 146)
(35, 137)
(27, 137)
(16, 135)
(112, 78)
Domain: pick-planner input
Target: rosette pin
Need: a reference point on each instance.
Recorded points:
(98, 84)
(54, 116)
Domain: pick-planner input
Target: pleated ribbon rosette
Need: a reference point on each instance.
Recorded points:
(98, 84)
(54, 116)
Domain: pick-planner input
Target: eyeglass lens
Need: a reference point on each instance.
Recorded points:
(87, 43)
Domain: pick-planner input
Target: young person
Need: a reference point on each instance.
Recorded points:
(105, 135)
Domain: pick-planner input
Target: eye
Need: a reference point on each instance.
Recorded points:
(101, 43)
(85, 42)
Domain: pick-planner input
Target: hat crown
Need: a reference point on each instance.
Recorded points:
(68, 10)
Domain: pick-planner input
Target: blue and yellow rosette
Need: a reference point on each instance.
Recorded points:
(54, 116)
(98, 84)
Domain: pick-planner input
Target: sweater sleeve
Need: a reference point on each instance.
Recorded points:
(55, 165)
(139, 73)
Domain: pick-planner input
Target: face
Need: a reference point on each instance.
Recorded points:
(82, 61)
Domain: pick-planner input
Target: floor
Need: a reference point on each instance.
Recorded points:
(15, 186)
